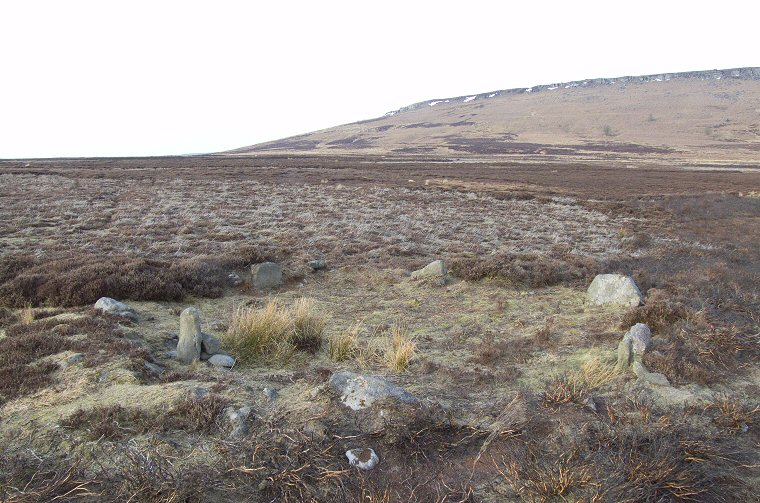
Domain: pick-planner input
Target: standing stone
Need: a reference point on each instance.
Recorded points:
(435, 272)
(640, 336)
(624, 354)
(266, 276)
(190, 336)
(614, 289)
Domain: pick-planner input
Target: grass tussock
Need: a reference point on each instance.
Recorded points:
(26, 316)
(575, 387)
(343, 345)
(400, 350)
(274, 332)
(308, 326)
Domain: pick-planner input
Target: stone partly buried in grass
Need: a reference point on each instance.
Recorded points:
(435, 273)
(615, 290)
(108, 305)
(266, 276)
(360, 392)
(364, 458)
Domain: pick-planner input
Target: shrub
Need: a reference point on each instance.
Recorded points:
(527, 269)
(81, 280)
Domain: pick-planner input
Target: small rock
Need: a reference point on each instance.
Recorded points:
(220, 360)
(205, 356)
(363, 458)
(72, 360)
(359, 391)
(650, 377)
(210, 344)
(111, 306)
(614, 289)
(190, 336)
(266, 276)
(171, 354)
(317, 265)
(625, 354)
(234, 279)
(155, 369)
(316, 430)
(238, 419)
(435, 272)
(590, 404)
(640, 336)
(270, 394)
(200, 391)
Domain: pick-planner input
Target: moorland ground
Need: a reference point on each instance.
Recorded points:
(521, 400)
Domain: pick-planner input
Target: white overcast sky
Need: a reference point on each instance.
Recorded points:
(156, 77)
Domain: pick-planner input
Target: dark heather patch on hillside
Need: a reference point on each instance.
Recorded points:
(353, 142)
(290, 145)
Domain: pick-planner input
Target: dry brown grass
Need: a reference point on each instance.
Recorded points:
(260, 333)
(575, 387)
(274, 332)
(26, 317)
(400, 349)
(308, 325)
(342, 346)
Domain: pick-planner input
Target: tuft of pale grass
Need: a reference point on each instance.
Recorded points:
(254, 334)
(26, 316)
(308, 326)
(400, 350)
(596, 373)
(342, 346)
(575, 386)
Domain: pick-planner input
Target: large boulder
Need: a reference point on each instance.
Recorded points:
(614, 289)
(360, 391)
(112, 306)
(190, 336)
(434, 272)
(266, 276)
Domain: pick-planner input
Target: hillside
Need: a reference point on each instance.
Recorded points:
(709, 116)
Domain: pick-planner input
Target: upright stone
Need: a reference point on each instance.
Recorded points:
(640, 336)
(190, 336)
(266, 276)
(624, 354)
(614, 289)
